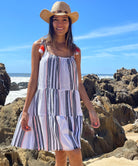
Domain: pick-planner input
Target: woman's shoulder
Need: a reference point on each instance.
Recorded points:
(76, 49)
(37, 42)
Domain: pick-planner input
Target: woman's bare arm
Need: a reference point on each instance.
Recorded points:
(32, 85)
(82, 91)
(83, 94)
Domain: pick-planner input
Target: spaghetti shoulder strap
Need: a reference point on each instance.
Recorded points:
(43, 46)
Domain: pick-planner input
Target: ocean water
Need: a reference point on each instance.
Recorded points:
(24, 77)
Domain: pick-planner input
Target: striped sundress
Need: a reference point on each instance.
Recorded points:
(55, 114)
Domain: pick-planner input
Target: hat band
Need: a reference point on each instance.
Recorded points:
(60, 11)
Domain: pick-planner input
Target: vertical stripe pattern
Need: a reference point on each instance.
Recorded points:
(55, 114)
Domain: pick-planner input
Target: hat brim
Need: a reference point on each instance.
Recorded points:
(46, 14)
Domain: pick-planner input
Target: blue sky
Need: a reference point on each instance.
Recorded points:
(106, 32)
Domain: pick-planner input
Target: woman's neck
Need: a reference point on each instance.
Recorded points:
(60, 39)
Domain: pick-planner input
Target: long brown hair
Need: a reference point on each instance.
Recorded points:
(68, 36)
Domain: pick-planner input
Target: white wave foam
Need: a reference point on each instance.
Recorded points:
(15, 94)
(19, 79)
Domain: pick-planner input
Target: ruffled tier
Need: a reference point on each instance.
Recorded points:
(55, 102)
(49, 133)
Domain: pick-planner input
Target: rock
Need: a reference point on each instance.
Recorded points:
(126, 79)
(134, 127)
(11, 156)
(118, 76)
(134, 95)
(109, 135)
(89, 82)
(124, 113)
(92, 76)
(48, 157)
(3, 160)
(4, 84)
(86, 149)
(129, 151)
(124, 72)
(14, 86)
(21, 85)
(102, 105)
(105, 80)
(124, 97)
(8, 119)
(110, 96)
(121, 89)
(134, 79)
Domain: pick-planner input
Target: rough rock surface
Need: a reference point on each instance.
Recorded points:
(123, 88)
(4, 84)
(109, 135)
(20, 85)
(124, 113)
(129, 151)
(8, 119)
(11, 156)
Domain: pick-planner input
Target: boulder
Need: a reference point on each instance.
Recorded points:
(46, 157)
(124, 113)
(121, 89)
(23, 85)
(20, 85)
(134, 127)
(3, 160)
(14, 86)
(134, 95)
(123, 72)
(86, 149)
(129, 151)
(124, 97)
(89, 82)
(4, 84)
(109, 135)
(8, 119)
(11, 156)
(134, 79)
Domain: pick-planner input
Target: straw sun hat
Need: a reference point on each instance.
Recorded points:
(59, 8)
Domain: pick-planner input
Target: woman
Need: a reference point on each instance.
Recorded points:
(52, 118)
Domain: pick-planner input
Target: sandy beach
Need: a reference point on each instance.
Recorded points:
(114, 160)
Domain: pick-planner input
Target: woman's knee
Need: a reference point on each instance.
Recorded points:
(60, 158)
(75, 157)
(74, 153)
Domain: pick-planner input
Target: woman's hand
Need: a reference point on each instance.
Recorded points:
(24, 121)
(95, 123)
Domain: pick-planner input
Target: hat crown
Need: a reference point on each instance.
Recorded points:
(60, 6)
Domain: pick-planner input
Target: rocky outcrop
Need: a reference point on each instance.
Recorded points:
(123, 88)
(8, 119)
(124, 72)
(110, 134)
(89, 81)
(124, 113)
(4, 84)
(129, 151)
(10, 156)
(19, 86)
(134, 127)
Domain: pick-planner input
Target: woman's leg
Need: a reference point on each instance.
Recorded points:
(60, 158)
(75, 157)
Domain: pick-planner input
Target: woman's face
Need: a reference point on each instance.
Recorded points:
(60, 25)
